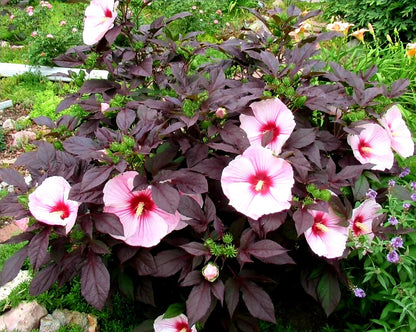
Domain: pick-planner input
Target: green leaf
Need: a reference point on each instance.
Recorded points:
(174, 310)
(126, 285)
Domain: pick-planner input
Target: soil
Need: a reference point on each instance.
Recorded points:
(9, 154)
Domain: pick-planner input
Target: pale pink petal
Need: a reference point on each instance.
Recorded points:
(399, 133)
(329, 240)
(48, 200)
(373, 146)
(362, 218)
(242, 182)
(175, 324)
(269, 115)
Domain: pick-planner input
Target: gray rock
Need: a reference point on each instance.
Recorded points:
(49, 324)
(9, 124)
(24, 318)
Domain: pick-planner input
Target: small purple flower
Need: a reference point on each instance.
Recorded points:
(413, 197)
(405, 172)
(359, 292)
(371, 194)
(413, 185)
(393, 220)
(397, 242)
(393, 257)
(406, 206)
(392, 183)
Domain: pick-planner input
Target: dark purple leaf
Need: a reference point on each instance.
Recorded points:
(98, 86)
(14, 178)
(68, 121)
(211, 167)
(258, 302)
(95, 176)
(108, 223)
(92, 196)
(303, 220)
(246, 323)
(190, 183)
(196, 154)
(190, 208)
(281, 259)
(112, 34)
(193, 278)
(234, 135)
(198, 302)
(43, 280)
(169, 262)
(125, 119)
(144, 293)
(166, 197)
(38, 247)
(12, 266)
(196, 249)
(398, 88)
(144, 69)
(329, 293)
(218, 290)
(81, 146)
(66, 103)
(301, 137)
(44, 121)
(232, 295)
(124, 253)
(144, 263)
(95, 281)
(265, 248)
(99, 247)
(19, 238)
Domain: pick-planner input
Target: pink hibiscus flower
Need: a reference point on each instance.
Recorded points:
(99, 18)
(49, 203)
(372, 145)
(175, 324)
(144, 223)
(362, 218)
(272, 118)
(258, 183)
(326, 237)
(399, 133)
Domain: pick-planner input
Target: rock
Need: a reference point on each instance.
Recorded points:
(49, 324)
(24, 318)
(59, 318)
(21, 277)
(9, 124)
(23, 137)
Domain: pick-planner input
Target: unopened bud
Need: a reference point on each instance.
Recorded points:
(210, 272)
(221, 112)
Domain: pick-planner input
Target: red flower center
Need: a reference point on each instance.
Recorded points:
(364, 148)
(141, 204)
(319, 225)
(261, 182)
(182, 327)
(358, 227)
(61, 209)
(108, 13)
(270, 127)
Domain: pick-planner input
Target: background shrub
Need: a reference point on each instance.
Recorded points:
(384, 15)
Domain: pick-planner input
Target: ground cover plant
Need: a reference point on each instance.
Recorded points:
(203, 191)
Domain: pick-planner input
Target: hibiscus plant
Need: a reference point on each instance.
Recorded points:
(206, 185)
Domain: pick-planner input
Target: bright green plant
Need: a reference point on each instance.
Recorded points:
(385, 16)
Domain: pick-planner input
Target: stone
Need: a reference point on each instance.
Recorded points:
(9, 124)
(23, 137)
(24, 318)
(49, 324)
(6, 289)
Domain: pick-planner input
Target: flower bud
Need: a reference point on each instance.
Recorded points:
(221, 112)
(210, 272)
